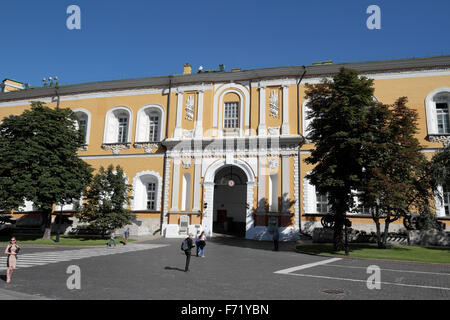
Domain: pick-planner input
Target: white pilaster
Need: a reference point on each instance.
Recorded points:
(261, 183)
(178, 130)
(197, 177)
(285, 182)
(175, 183)
(285, 125)
(199, 122)
(262, 129)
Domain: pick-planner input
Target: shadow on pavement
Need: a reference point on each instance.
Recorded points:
(173, 268)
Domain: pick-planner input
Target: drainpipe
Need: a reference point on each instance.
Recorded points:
(165, 157)
(298, 155)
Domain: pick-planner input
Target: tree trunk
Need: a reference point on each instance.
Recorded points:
(47, 224)
(386, 231)
(338, 230)
(378, 226)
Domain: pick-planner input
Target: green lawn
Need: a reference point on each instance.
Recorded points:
(420, 254)
(64, 240)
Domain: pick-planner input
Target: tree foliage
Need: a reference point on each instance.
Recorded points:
(39, 162)
(107, 198)
(396, 179)
(338, 110)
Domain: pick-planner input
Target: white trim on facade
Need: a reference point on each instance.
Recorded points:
(138, 189)
(430, 109)
(109, 133)
(88, 125)
(142, 126)
(244, 94)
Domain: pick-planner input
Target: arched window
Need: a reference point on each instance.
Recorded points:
(273, 193)
(117, 127)
(83, 123)
(150, 124)
(147, 187)
(438, 111)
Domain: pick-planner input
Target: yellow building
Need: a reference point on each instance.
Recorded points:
(223, 151)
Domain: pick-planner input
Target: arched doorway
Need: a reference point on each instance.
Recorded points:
(230, 201)
(209, 192)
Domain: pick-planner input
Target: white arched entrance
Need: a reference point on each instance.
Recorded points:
(208, 189)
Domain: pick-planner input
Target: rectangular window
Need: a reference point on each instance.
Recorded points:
(231, 118)
(154, 121)
(447, 201)
(123, 130)
(151, 196)
(443, 120)
(322, 203)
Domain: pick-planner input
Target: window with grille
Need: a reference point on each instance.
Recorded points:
(231, 117)
(322, 203)
(151, 196)
(154, 126)
(447, 201)
(123, 129)
(82, 124)
(443, 118)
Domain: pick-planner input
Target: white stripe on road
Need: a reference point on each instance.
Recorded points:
(44, 258)
(357, 280)
(306, 266)
(392, 270)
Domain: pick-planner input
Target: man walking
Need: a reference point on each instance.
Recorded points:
(127, 235)
(276, 237)
(186, 246)
(112, 240)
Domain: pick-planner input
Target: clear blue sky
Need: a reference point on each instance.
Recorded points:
(141, 38)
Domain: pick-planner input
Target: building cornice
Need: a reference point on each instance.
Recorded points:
(162, 83)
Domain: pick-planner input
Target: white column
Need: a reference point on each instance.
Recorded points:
(296, 192)
(207, 223)
(197, 178)
(199, 122)
(261, 183)
(249, 221)
(262, 130)
(178, 130)
(175, 184)
(285, 125)
(285, 182)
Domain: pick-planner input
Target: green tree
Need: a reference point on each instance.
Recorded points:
(107, 198)
(396, 179)
(338, 110)
(39, 162)
(440, 168)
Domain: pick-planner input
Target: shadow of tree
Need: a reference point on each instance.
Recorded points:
(252, 244)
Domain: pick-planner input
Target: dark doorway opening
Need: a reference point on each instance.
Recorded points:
(230, 198)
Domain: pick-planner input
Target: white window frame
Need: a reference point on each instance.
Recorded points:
(111, 130)
(231, 115)
(140, 191)
(431, 111)
(88, 124)
(143, 123)
(151, 202)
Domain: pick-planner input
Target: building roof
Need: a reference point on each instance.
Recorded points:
(312, 71)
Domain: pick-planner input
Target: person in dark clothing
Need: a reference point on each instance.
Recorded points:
(276, 237)
(187, 251)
